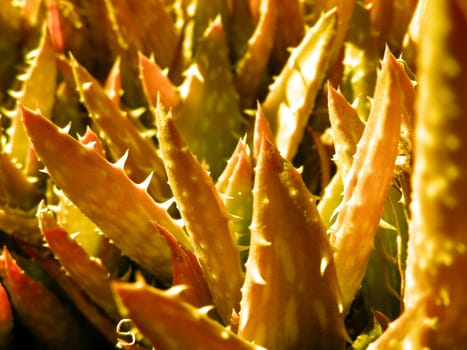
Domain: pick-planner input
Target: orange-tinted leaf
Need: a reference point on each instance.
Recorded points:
(143, 158)
(6, 318)
(205, 217)
(187, 272)
(172, 324)
(87, 308)
(435, 303)
(121, 209)
(40, 310)
(156, 84)
(368, 182)
(89, 273)
(290, 299)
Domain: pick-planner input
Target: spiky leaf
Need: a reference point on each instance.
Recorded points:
(205, 217)
(367, 184)
(290, 299)
(171, 324)
(292, 96)
(103, 191)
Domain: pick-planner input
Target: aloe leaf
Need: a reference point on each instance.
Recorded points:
(235, 186)
(39, 309)
(330, 200)
(156, 84)
(347, 128)
(241, 25)
(205, 217)
(434, 295)
(16, 189)
(37, 91)
(71, 218)
(290, 298)
(170, 323)
(361, 60)
(142, 158)
(113, 83)
(390, 20)
(291, 21)
(20, 225)
(133, 29)
(210, 112)
(291, 97)
(262, 131)
(87, 308)
(207, 11)
(54, 27)
(382, 284)
(250, 69)
(104, 193)
(89, 273)
(367, 184)
(6, 318)
(187, 272)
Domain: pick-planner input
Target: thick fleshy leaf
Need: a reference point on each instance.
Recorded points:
(347, 128)
(205, 217)
(235, 186)
(133, 28)
(435, 302)
(89, 273)
(156, 84)
(390, 20)
(37, 92)
(250, 70)
(240, 27)
(104, 193)
(261, 131)
(210, 113)
(172, 324)
(206, 12)
(291, 30)
(113, 83)
(20, 225)
(39, 309)
(368, 182)
(6, 319)
(16, 189)
(292, 96)
(87, 308)
(187, 272)
(290, 299)
(70, 218)
(143, 158)
(360, 60)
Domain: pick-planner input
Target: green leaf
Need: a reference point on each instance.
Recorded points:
(210, 112)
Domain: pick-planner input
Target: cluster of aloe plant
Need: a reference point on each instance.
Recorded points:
(233, 174)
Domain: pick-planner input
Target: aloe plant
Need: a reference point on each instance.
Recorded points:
(159, 163)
